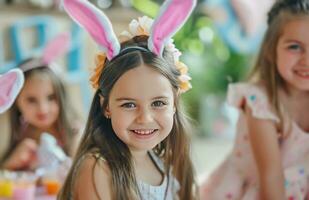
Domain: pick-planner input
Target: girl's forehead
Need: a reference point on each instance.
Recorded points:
(37, 84)
(142, 82)
(36, 78)
(298, 27)
(288, 18)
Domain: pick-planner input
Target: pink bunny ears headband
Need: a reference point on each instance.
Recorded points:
(54, 49)
(170, 19)
(10, 86)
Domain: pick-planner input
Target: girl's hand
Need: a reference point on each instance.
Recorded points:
(23, 157)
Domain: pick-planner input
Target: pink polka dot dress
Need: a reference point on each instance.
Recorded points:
(236, 178)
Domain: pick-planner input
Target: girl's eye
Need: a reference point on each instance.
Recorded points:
(51, 97)
(159, 104)
(31, 100)
(128, 105)
(294, 47)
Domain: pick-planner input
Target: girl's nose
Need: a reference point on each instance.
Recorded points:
(43, 107)
(305, 59)
(144, 116)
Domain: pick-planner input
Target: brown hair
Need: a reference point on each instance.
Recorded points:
(265, 69)
(174, 150)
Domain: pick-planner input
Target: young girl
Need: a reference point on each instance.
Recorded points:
(135, 144)
(270, 159)
(41, 106)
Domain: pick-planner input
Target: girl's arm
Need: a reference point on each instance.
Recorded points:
(93, 180)
(265, 146)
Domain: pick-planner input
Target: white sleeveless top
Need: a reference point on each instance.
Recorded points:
(168, 188)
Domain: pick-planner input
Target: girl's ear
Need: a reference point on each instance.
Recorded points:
(10, 86)
(172, 15)
(101, 100)
(96, 23)
(106, 111)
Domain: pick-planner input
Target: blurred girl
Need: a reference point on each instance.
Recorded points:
(41, 106)
(270, 159)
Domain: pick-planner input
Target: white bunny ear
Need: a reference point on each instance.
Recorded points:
(96, 23)
(10, 86)
(172, 15)
(56, 47)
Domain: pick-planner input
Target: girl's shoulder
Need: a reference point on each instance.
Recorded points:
(92, 158)
(93, 170)
(254, 96)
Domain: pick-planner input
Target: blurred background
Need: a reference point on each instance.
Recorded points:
(218, 43)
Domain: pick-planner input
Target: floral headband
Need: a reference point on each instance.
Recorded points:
(10, 85)
(171, 17)
(55, 48)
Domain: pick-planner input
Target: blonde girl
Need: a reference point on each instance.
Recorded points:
(41, 106)
(270, 158)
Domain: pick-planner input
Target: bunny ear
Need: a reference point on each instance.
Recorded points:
(96, 23)
(171, 17)
(56, 47)
(10, 86)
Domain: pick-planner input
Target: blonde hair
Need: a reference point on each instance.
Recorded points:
(265, 69)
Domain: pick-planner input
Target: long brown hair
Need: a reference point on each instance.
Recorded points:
(265, 69)
(174, 150)
(66, 114)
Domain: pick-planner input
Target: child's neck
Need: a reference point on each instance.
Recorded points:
(139, 155)
(145, 168)
(295, 102)
(295, 99)
(294, 94)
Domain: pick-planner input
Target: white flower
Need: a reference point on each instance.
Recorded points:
(133, 27)
(184, 78)
(146, 23)
(172, 49)
(125, 35)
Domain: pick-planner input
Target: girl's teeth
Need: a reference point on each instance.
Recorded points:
(143, 132)
(304, 74)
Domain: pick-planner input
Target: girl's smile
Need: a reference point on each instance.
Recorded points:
(144, 133)
(42, 117)
(302, 73)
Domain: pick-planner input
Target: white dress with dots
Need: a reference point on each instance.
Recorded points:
(236, 178)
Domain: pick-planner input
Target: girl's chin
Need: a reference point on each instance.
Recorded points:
(42, 126)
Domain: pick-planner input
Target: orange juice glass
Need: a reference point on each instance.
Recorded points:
(52, 187)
